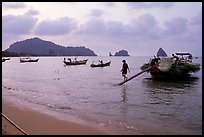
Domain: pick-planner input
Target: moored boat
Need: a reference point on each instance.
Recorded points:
(171, 68)
(28, 59)
(75, 62)
(4, 59)
(101, 64)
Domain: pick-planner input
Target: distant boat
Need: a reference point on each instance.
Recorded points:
(4, 59)
(75, 62)
(110, 54)
(28, 59)
(101, 64)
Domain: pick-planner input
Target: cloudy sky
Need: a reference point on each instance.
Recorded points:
(141, 28)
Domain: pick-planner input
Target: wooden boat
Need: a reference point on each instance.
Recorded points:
(4, 59)
(169, 68)
(75, 62)
(28, 59)
(101, 64)
(184, 56)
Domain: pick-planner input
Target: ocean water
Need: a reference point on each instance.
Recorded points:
(140, 106)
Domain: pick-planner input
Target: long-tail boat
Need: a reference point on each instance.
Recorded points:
(75, 62)
(172, 67)
(101, 64)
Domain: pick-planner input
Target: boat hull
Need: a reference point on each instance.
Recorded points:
(101, 65)
(165, 69)
(4, 59)
(172, 74)
(81, 62)
(33, 60)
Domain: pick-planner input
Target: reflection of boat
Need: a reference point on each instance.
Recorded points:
(101, 64)
(75, 62)
(28, 59)
(169, 68)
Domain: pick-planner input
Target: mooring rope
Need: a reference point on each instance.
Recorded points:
(14, 124)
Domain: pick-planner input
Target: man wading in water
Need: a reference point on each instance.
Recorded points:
(124, 70)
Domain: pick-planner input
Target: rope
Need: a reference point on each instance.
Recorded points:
(14, 124)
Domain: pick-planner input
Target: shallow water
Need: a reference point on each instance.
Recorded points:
(141, 106)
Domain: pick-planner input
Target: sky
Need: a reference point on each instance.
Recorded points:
(141, 28)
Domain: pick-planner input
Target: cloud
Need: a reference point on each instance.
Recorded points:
(145, 26)
(13, 5)
(96, 13)
(175, 26)
(147, 5)
(110, 4)
(195, 28)
(32, 12)
(93, 27)
(115, 35)
(115, 28)
(196, 20)
(139, 34)
(61, 26)
(18, 24)
(139, 30)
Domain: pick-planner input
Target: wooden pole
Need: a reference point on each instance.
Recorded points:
(121, 83)
(14, 124)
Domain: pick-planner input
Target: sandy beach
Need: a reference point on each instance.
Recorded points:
(36, 123)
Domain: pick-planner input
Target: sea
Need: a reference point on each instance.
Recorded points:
(142, 106)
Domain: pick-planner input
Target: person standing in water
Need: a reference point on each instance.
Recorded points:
(124, 70)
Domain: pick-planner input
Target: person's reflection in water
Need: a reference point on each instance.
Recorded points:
(124, 94)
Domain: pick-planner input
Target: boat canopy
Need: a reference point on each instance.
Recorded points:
(183, 53)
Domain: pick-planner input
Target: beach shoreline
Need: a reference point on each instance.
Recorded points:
(36, 123)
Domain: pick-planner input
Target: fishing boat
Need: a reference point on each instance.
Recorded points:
(171, 67)
(185, 56)
(28, 59)
(101, 64)
(4, 59)
(75, 62)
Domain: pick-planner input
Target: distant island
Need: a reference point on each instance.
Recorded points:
(38, 47)
(161, 53)
(110, 54)
(120, 53)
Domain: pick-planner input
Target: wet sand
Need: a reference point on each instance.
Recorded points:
(36, 123)
(9, 128)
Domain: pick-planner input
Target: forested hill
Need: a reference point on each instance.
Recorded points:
(39, 47)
